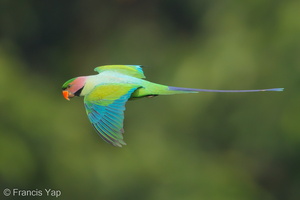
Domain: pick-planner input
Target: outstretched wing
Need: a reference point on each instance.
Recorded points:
(105, 106)
(131, 70)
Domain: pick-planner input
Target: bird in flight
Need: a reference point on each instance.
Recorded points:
(106, 94)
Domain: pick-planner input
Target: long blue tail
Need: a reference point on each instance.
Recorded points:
(205, 90)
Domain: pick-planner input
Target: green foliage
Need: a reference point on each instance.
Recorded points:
(194, 146)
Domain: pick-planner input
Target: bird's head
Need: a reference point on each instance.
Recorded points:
(73, 87)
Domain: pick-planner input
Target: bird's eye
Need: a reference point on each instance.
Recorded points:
(68, 86)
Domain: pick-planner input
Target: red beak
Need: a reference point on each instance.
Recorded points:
(66, 94)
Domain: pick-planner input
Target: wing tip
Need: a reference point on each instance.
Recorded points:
(119, 143)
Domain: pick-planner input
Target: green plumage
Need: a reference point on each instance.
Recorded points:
(130, 70)
(66, 84)
(106, 94)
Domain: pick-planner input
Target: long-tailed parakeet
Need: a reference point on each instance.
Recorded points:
(106, 94)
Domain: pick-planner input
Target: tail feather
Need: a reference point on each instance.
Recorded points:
(206, 90)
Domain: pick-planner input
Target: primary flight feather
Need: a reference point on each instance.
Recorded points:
(106, 94)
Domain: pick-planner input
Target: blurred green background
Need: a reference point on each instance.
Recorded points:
(206, 146)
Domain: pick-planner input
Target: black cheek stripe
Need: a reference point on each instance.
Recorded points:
(78, 92)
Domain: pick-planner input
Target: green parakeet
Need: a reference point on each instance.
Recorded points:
(106, 94)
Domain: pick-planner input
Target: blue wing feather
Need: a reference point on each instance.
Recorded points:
(108, 120)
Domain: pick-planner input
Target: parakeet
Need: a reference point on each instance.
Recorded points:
(106, 94)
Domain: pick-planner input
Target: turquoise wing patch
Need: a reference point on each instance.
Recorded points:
(131, 70)
(107, 115)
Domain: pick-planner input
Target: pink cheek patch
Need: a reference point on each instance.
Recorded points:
(77, 84)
